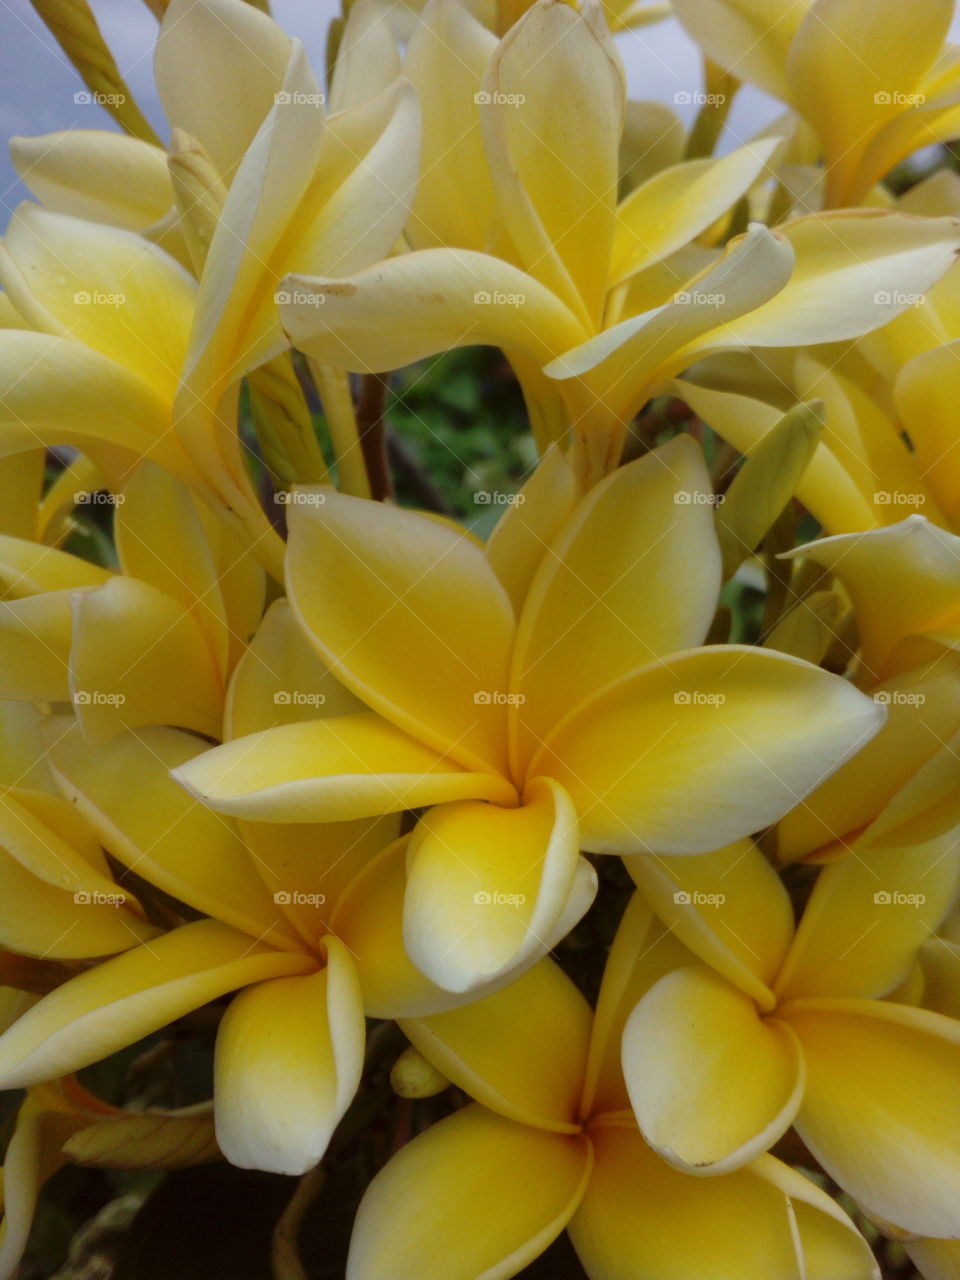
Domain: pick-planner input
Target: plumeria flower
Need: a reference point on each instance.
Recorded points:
(567, 282)
(873, 79)
(904, 583)
(118, 346)
(548, 1142)
(152, 644)
(61, 1123)
(544, 694)
(307, 925)
(778, 1026)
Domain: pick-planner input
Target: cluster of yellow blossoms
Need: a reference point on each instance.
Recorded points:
(278, 738)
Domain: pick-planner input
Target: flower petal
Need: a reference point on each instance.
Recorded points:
(522, 536)
(445, 61)
(721, 742)
(868, 917)
(850, 70)
(551, 124)
(519, 1183)
(334, 770)
(153, 826)
(123, 999)
(712, 1084)
(448, 298)
(408, 614)
(485, 1048)
(139, 658)
(729, 907)
(642, 1220)
(204, 53)
(487, 886)
(104, 287)
(880, 1109)
(904, 580)
(288, 1061)
(677, 204)
(923, 713)
(89, 173)
(633, 575)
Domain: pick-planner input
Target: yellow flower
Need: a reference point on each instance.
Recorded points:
(309, 924)
(543, 262)
(904, 583)
(153, 644)
(776, 1026)
(872, 78)
(544, 694)
(124, 350)
(549, 1143)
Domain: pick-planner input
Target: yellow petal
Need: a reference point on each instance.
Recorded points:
(632, 576)
(925, 390)
(409, 615)
(729, 907)
(60, 392)
(903, 580)
(95, 174)
(445, 61)
(642, 1220)
(696, 751)
(160, 538)
(748, 37)
(643, 952)
(332, 770)
(827, 488)
(880, 1109)
(123, 999)
(936, 1259)
(712, 1084)
(495, 1048)
(552, 125)
(369, 920)
(676, 205)
(851, 68)
(288, 1061)
(625, 360)
(35, 636)
(154, 827)
(870, 263)
(869, 914)
(205, 53)
(448, 297)
(102, 286)
(523, 534)
(368, 59)
(27, 568)
(923, 713)
(138, 658)
(488, 886)
(474, 1167)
